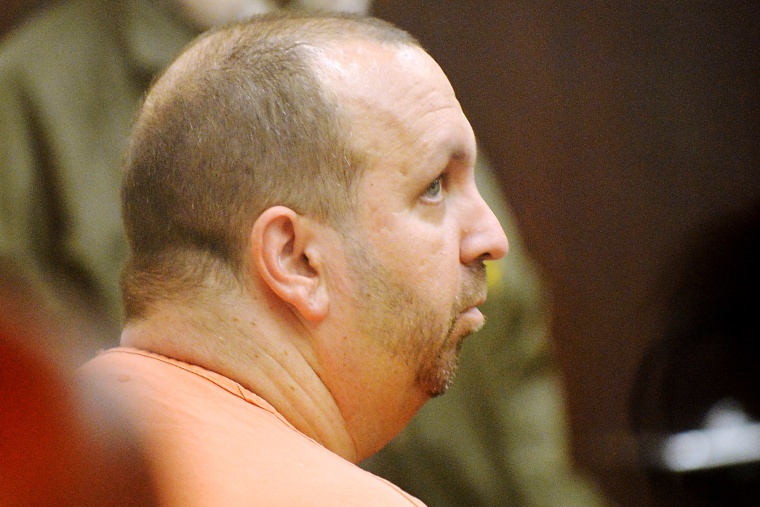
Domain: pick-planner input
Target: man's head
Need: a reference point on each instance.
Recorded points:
(239, 123)
(322, 167)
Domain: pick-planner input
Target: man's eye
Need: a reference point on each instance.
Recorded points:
(433, 191)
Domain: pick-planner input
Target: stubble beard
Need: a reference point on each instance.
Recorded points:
(410, 327)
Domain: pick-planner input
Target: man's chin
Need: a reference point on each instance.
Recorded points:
(437, 382)
(440, 378)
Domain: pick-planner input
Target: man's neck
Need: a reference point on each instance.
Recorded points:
(267, 352)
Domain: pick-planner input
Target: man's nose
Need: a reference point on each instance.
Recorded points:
(483, 238)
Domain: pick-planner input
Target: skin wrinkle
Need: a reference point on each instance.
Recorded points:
(313, 429)
(276, 366)
(279, 367)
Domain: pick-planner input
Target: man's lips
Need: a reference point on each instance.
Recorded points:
(471, 318)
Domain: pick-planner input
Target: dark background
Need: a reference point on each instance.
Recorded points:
(618, 129)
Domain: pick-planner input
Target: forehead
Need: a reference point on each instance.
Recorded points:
(398, 103)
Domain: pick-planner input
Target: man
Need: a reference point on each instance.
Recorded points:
(70, 79)
(307, 248)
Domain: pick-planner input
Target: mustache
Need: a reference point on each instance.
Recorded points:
(474, 286)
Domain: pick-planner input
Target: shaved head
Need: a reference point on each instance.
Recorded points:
(240, 122)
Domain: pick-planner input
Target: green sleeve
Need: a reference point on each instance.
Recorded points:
(24, 234)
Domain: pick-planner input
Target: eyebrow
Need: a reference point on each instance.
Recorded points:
(458, 154)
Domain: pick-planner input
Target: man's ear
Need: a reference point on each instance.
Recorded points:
(285, 253)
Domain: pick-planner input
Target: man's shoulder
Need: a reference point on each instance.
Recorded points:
(134, 373)
(214, 446)
(171, 403)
